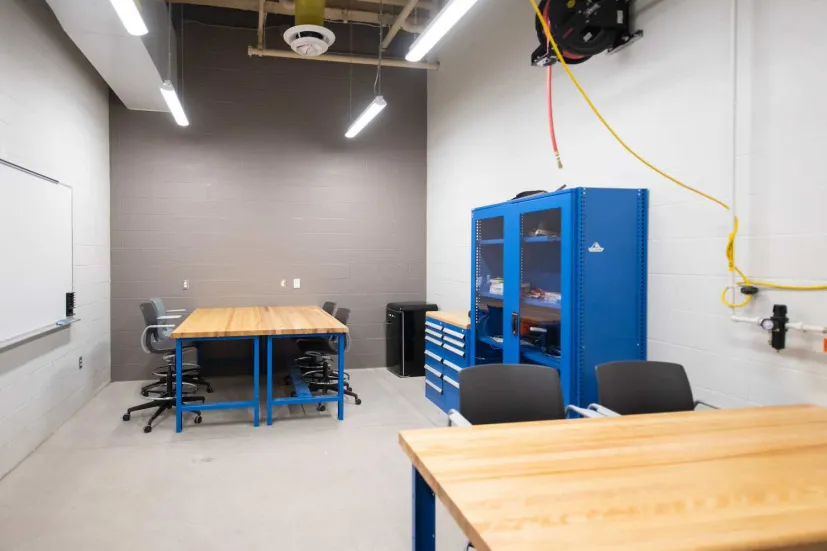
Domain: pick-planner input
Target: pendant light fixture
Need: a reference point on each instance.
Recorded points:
(167, 88)
(378, 104)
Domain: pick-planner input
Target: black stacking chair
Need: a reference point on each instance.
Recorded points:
(317, 366)
(636, 387)
(502, 393)
(329, 307)
(153, 343)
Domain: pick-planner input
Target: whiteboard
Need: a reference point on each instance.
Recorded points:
(35, 251)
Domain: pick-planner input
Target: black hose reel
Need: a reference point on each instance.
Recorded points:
(583, 29)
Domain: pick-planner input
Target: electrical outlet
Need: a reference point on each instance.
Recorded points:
(186, 284)
(284, 283)
(297, 283)
(80, 362)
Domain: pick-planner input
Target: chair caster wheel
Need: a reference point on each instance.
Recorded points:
(144, 393)
(210, 389)
(126, 417)
(148, 428)
(321, 407)
(198, 420)
(358, 401)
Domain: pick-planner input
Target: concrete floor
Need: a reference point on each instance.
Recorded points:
(307, 482)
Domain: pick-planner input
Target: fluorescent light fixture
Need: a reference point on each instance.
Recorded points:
(174, 104)
(130, 17)
(438, 28)
(367, 115)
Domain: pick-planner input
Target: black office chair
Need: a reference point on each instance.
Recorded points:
(329, 307)
(191, 372)
(316, 363)
(636, 387)
(153, 343)
(501, 393)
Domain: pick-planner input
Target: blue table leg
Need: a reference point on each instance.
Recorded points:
(179, 414)
(269, 381)
(256, 367)
(341, 376)
(424, 515)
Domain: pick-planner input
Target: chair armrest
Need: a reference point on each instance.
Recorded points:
(583, 412)
(168, 317)
(702, 403)
(604, 411)
(455, 419)
(147, 328)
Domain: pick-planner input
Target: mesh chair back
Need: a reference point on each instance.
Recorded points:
(498, 393)
(635, 387)
(342, 315)
(161, 310)
(329, 307)
(150, 318)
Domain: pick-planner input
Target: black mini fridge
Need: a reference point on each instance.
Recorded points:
(405, 337)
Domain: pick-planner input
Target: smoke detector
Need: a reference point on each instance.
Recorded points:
(309, 40)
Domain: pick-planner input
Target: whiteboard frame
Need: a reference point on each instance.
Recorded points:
(62, 323)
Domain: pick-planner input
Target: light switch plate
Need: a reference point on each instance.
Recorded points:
(186, 284)
(297, 283)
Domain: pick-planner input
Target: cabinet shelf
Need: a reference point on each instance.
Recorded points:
(489, 295)
(492, 342)
(490, 242)
(538, 356)
(541, 303)
(542, 239)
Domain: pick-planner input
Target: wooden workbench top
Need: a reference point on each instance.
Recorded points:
(257, 321)
(458, 319)
(729, 479)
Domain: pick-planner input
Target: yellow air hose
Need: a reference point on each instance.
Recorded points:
(730, 248)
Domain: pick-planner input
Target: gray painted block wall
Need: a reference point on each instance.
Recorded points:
(263, 186)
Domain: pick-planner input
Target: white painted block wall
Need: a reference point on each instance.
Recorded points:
(54, 119)
(669, 96)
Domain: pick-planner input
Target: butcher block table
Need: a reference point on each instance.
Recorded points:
(258, 323)
(744, 479)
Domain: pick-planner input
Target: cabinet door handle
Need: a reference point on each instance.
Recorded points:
(515, 323)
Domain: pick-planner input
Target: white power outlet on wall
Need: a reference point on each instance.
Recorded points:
(186, 285)
(297, 283)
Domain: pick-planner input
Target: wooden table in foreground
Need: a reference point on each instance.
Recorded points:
(256, 323)
(713, 480)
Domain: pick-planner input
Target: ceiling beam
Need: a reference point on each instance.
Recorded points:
(286, 7)
(337, 58)
(401, 18)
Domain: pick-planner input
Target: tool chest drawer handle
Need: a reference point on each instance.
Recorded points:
(433, 386)
(433, 333)
(455, 342)
(434, 371)
(434, 325)
(453, 333)
(433, 340)
(450, 381)
(456, 351)
(452, 365)
(432, 355)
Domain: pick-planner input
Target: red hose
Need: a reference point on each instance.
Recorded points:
(548, 93)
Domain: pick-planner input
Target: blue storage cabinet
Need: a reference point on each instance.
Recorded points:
(446, 355)
(559, 279)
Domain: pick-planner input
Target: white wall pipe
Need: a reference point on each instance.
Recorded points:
(734, 175)
(797, 326)
(397, 24)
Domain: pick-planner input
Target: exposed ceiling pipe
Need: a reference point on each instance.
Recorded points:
(423, 4)
(335, 58)
(400, 20)
(262, 15)
(284, 7)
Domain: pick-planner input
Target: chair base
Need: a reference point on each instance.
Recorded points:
(162, 403)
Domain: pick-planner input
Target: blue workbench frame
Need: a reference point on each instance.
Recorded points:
(303, 395)
(180, 407)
